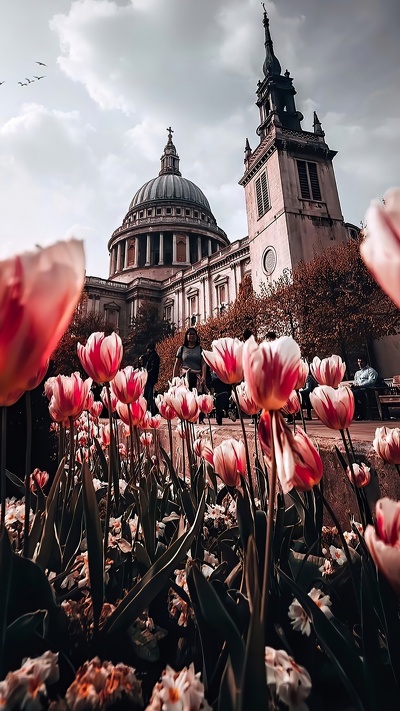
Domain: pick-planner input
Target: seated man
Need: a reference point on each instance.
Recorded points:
(309, 386)
(364, 378)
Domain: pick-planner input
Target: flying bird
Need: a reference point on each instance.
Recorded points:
(42, 64)
(1, 82)
(30, 81)
(42, 77)
(22, 84)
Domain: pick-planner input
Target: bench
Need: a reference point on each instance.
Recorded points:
(388, 398)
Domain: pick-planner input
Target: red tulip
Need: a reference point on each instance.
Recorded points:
(137, 408)
(380, 248)
(271, 370)
(38, 294)
(104, 399)
(384, 542)
(361, 473)
(202, 448)
(387, 444)
(11, 397)
(101, 356)
(70, 394)
(128, 384)
(328, 371)
(89, 401)
(37, 378)
(105, 436)
(146, 439)
(225, 359)
(38, 478)
(229, 460)
(308, 463)
(335, 408)
(246, 403)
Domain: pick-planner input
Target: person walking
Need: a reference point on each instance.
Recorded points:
(151, 362)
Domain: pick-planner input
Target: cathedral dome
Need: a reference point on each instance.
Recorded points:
(170, 186)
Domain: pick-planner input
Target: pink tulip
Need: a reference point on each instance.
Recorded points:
(206, 403)
(303, 374)
(272, 426)
(185, 403)
(89, 401)
(70, 394)
(271, 370)
(38, 478)
(96, 409)
(37, 378)
(180, 430)
(128, 384)
(137, 409)
(104, 399)
(230, 461)
(105, 436)
(202, 448)
(38, 294)
(380, 248)
(146, 439)
(166, 411)
(146, 423)
(387, 444)
(384, 542)
(361, 474)
(335, 408)
(101, 356)
(292, 405)
(328, 371)
(308, 463)
(246, 403)
(225, 359)
(155, 422)
(48, 387)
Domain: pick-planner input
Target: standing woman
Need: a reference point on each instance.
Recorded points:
(189, 363)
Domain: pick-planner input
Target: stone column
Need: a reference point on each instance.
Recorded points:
(126, 244)
(174, 248)
(209, 247)
(136, 258)
(161, 258)
(147, 251)
(198, 249)
(118, 256)
(188, 249)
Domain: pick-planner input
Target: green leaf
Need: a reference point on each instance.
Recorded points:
(19, 484)
(94, 543)
(254, 691)
(35, 532)
(102, 460)
(75, 532)
(217, 618)
(154, 580)
(228, 690)
(6, 561)
(344, 657)
(49, 549)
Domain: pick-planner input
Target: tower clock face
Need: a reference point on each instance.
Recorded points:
(269, 261)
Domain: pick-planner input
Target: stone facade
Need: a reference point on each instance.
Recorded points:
(169, 248)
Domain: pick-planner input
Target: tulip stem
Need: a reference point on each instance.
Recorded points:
(71, 455)
(246, 447)
(353, 479)
(3, 466)
(61, 443)
(131, 436)
(303, 422)
(351, 445)
(183, 451)
(270, 528)
(171, 446)
(211, 435)
(110, 455)
(28, 453)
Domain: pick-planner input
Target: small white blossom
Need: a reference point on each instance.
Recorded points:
(300, 620)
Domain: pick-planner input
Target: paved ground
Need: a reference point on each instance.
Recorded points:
(363, 431)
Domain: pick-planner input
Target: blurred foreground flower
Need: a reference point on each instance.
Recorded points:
(335, 408)
(380, 248)
(179, 691)
(101, 356)
(387, 444)
(271, 370)
(384, 542)
(328, 371)
(26, 687)
(38, 294)
(288, 680)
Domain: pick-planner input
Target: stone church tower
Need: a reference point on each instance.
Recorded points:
(292, 203)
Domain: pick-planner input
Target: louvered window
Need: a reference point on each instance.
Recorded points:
(262, 195)
(308, 179)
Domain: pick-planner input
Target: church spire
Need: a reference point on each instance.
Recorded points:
(271, 63)
(170, 158)
(317, 126)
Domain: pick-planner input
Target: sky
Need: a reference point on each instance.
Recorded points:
(76, 145)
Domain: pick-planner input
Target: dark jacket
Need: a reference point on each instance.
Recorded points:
(151, 361)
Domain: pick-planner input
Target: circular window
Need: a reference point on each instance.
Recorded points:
(269, 260)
